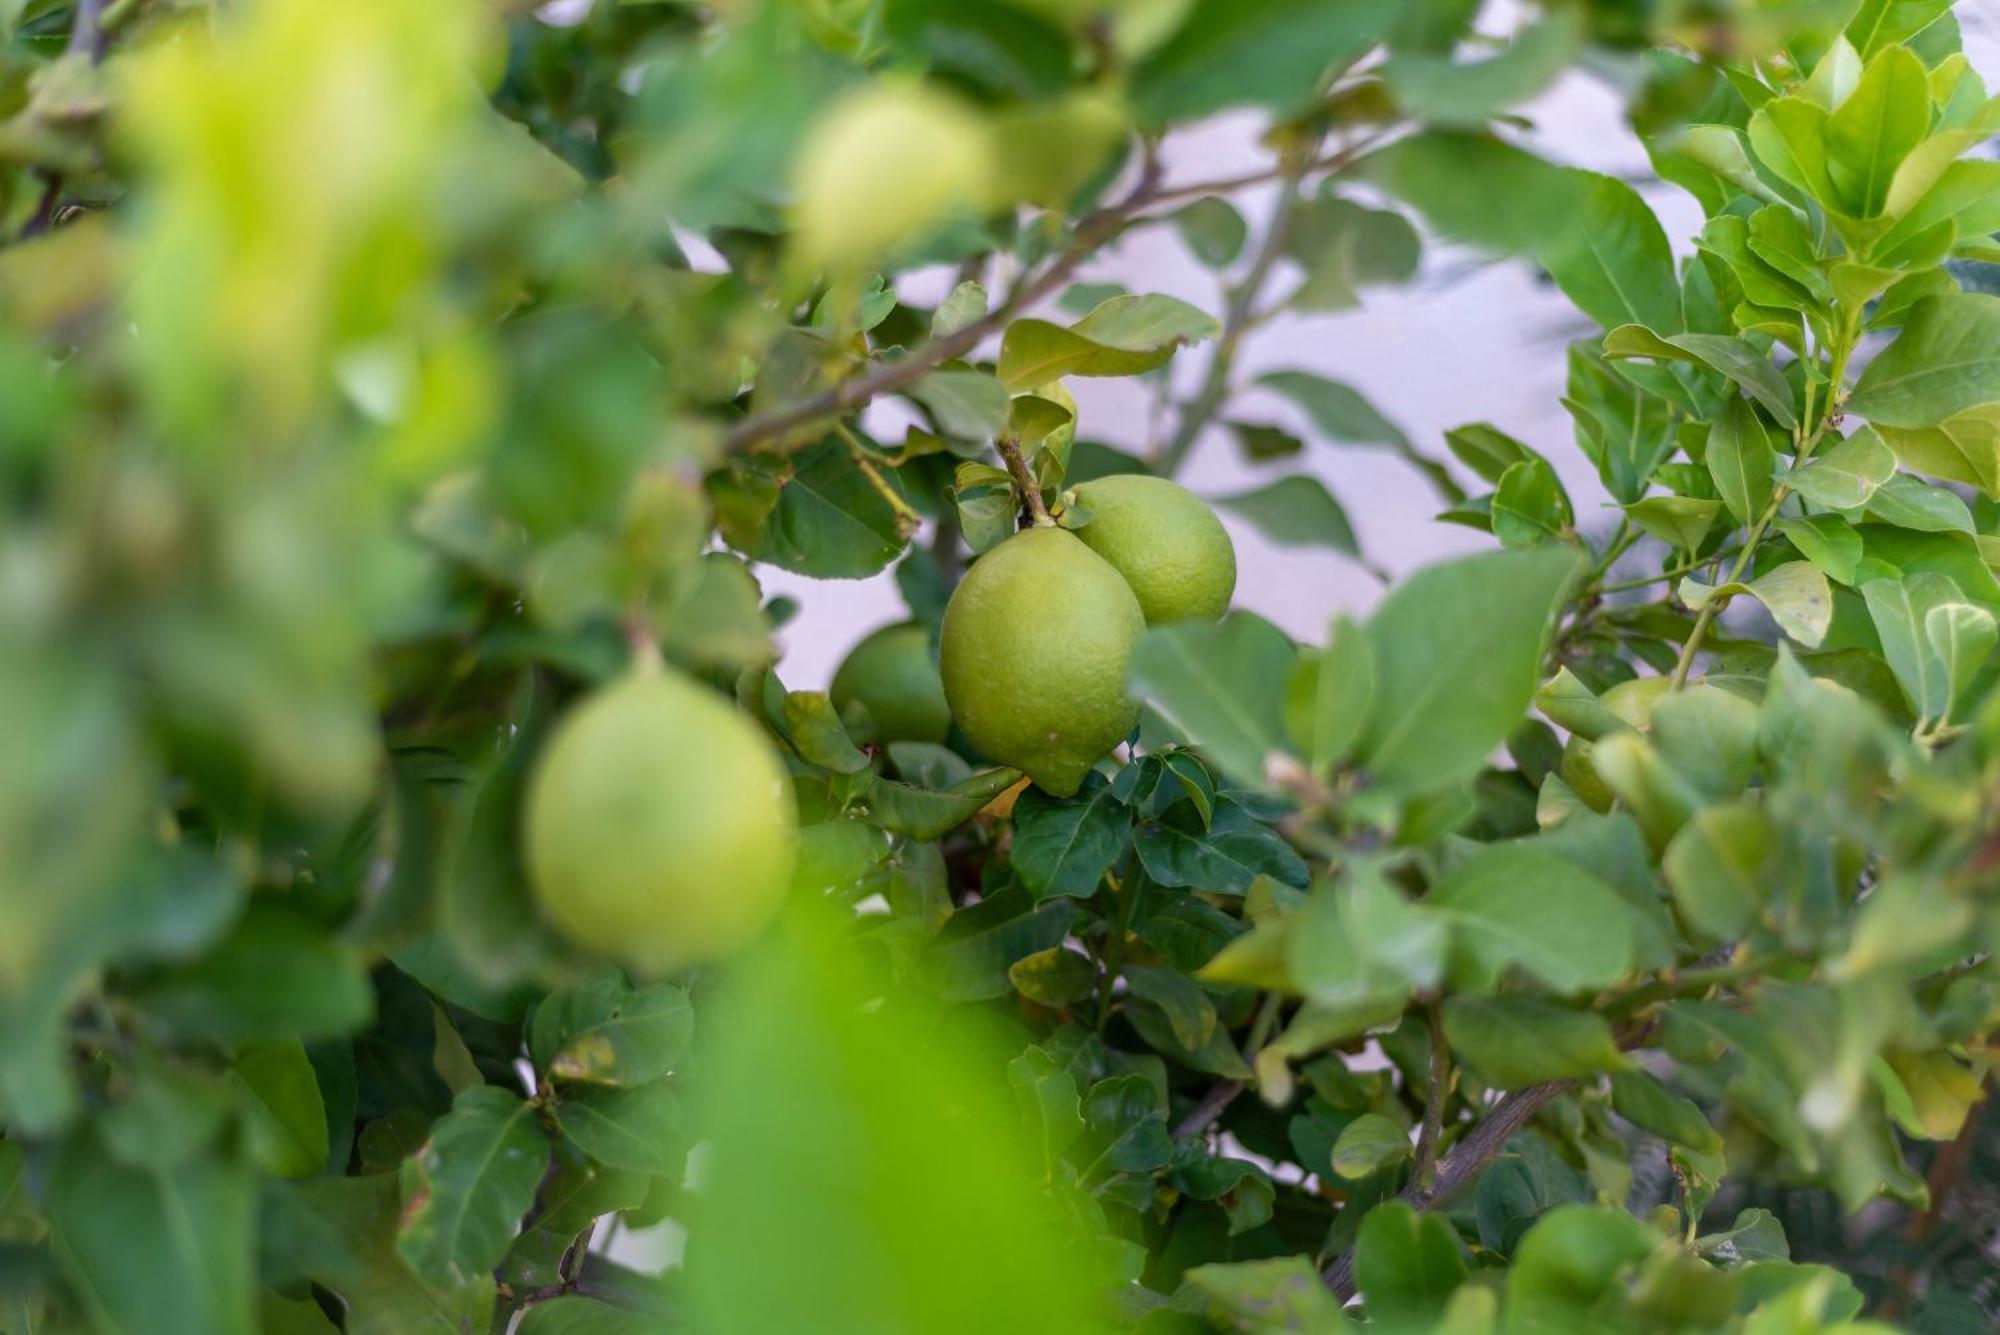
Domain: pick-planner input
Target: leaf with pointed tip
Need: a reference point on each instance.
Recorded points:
(1945, 361)
(468, 1185)
(1732, 355)
(1064, 846)
(1845, 475)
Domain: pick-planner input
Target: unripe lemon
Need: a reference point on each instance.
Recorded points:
(660, 828)
(1036, 643)
(1632, 701)
(894, 676)
(884, 164)
(1165, 541)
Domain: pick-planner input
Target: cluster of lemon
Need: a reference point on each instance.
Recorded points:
(660, 827)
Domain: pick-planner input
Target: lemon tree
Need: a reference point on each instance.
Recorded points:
(430, 896)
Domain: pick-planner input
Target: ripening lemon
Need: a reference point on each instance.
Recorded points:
(885, 163)
(1633, 702)
(1036, 643)
(660, 829)
(894, 676)
(1165, 541)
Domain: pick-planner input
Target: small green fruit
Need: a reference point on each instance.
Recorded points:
(894, 676)
(1165, 541)
(1037, 640)
(660, 829)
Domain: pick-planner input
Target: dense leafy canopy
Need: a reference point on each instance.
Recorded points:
(379, 378)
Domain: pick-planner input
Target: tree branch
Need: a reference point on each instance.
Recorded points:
(1433, 1125)
(1461, 1165)
(1024, 480)
(1212, 1105)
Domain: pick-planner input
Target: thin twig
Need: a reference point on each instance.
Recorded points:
(1214, 391)
(1024, 480)
(1213, 1104)
(852, 394)
(1461, 1165)
(1433, 1125)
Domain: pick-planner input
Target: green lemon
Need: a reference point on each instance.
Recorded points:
(1633, 701)
(1165, 541)
(1036, 643)
(894, 676)
(660, 829)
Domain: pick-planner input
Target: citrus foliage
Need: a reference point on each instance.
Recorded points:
(380, 380)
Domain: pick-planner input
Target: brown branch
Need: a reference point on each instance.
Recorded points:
(1461, 1165)
(1212, 1105)
(1024, 480)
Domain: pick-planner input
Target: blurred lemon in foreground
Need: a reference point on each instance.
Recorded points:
(660, 828)
(1036, 643)
(884, 164)
(1165, 541)
(1632, 701)
(894, 676)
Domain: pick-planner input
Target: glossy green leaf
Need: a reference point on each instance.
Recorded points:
(1945, 362)
(636, 1129)
(1735, 357)
(1225, 857)
(608, 1033)
(1054, 977)
(1064, 846)
(1368, 1144)
(1844, 474)
(1517, 906)
(468, 1185)
(1295, 511)
(1872, 131)
(1742, 461)
(1221, 686)
(1512, 1042)
(1438, 710)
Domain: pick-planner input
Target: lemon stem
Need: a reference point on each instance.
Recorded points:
(1024, 480)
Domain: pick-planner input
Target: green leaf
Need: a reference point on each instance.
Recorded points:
(1828, 541)
(1530, 505)
(607, 1033)
(1125, 335)
(636, 1129)
(1511, 1042)
(1571, 1262)
(1221, 686)
(278, 975)
(984, 498)
(815, 729)
(1486, 449)
(1788, 135)
(916, 1144)
(1962, 637)
(1212, 230)
(1223, 858)
(340, 1233)
(1282, 1294)
(969, 959)
(1511, 906)
(965, 305)
(1368, 1144)
(971, 405)
(1406, 1265)
(1845, 475)
(289, 1112)
(1721, 866)
(1328, 697)
(163, 1250)
(1945, 361)
(1642, 1100)
(1611, 258)
(567, 1207)
(1900, 609)
(467, 1186)
(1682, 522)
(1338, 411)
(1798, 598)
(1869, 134)
(925, 814)
(1295, 511)
(1880, 23)
(1457, 652)
(1064, 846)
(1344, 246)
(1188, 1009)
(1440, 91)
(1626, 432)
(1738, 358)
(828, 520)
(1479, 191)
(996, 48)
(1741, 461)
(1909, 502)
(1267, 52)
(1054, 977)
